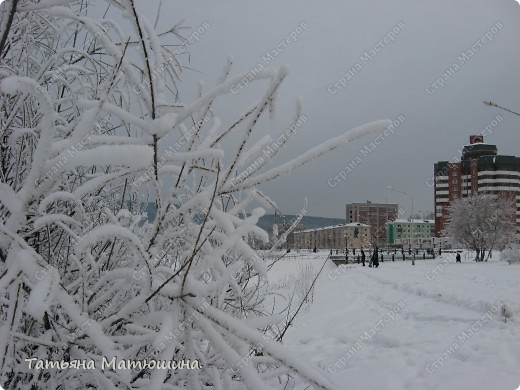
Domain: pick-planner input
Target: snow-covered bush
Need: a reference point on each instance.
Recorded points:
(506, 313)
(511, 255)
(95, 139)
(303, 283)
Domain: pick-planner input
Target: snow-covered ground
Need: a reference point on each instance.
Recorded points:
(435, 325)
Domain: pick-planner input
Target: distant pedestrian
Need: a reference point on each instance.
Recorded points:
(363, 257)
(424, 255)
(382, 258)
(393, 257)
(440, 251)
(458, 258)
(404, 257)
(375, 258)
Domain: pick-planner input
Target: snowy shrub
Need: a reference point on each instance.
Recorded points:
(303, 283)
(506, 313)
(511, 255)
(96, 140)
(284, 283)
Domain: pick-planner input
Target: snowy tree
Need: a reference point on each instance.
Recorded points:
(93, 132)
(482, 223)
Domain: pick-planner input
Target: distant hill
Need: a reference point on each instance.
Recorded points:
(308, 222)
(266, 222)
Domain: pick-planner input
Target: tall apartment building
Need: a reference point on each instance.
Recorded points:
(376, 215)
(480, 170)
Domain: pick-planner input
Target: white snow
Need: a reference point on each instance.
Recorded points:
(435, 325)
(43, 293)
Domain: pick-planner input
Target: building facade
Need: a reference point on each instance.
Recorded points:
(376, 215)
(481, 170)
(350, 236)
(416, 233)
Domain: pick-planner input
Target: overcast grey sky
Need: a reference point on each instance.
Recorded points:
(429, 37)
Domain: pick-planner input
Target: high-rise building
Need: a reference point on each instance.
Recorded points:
(481, 170)
(376, 215)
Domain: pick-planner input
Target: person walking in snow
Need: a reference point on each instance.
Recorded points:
(375, 258)
(363, 257)
(458, 258)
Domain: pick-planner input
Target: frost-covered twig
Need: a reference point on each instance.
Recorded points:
(123, 226)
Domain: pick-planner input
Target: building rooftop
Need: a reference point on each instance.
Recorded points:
(353, 224)
(478, 149)
(416, 221)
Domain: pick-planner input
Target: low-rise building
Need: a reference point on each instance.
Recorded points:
(416, 233)
(350, 236)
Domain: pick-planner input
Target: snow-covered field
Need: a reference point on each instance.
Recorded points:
(435, 325)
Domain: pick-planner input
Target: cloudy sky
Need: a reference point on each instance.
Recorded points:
(329, 43)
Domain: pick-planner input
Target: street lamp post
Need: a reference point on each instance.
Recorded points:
(411, 216)
(493, 104)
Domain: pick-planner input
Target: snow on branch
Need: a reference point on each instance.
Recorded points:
(125, 222)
